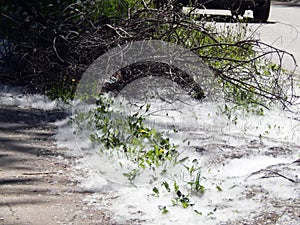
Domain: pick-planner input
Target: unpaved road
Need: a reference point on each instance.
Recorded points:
(36, 186)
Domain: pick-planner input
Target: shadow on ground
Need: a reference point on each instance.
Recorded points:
(32, 179)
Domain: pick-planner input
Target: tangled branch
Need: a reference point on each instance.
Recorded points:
(61, 46)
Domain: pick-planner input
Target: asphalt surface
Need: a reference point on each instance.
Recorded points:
(283, 30)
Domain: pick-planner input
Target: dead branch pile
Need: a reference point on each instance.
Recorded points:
(59, 47)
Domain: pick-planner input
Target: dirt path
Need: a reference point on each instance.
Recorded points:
(35, 184)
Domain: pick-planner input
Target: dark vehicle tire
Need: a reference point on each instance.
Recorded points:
(261, 13)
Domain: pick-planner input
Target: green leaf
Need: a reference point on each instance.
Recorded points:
(176, 187)
(163, 209)
(166, 185)
(156, 191)
(184, 205)
(219, 188)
